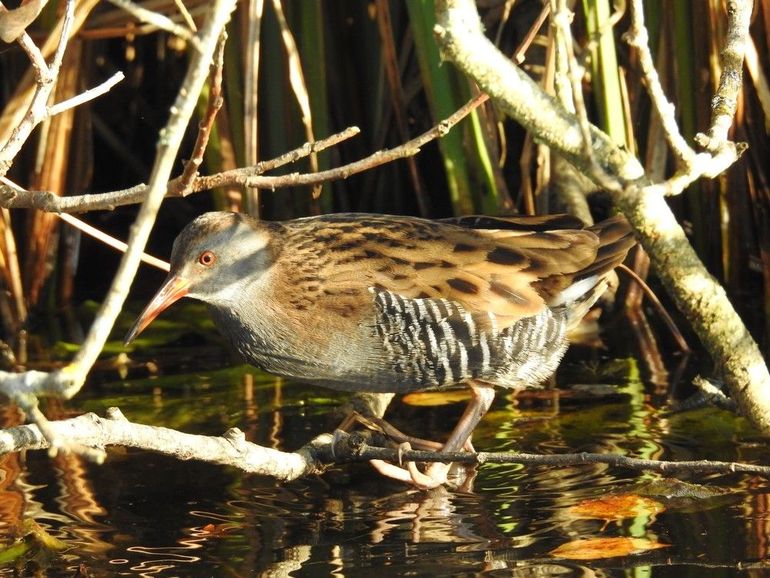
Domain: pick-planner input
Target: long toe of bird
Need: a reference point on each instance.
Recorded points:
(435, 473)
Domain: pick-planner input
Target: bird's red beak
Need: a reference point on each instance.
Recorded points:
(172, 290)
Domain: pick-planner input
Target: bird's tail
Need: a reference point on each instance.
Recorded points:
(616, 237)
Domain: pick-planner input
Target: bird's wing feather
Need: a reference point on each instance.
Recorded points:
(486, 270)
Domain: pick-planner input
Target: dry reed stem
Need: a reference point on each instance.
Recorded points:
(298, 85)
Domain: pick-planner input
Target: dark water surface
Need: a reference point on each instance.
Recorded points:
(141, 514)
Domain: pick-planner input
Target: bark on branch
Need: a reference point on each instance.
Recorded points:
(233, 450)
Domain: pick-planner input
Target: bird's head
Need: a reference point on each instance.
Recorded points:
(214, 259)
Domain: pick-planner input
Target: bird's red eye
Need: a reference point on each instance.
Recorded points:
(207, 258)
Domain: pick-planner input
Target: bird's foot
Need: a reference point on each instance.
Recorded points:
(435, 474)
(378, 424)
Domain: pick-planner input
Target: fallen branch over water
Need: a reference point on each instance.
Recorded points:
(232, 449)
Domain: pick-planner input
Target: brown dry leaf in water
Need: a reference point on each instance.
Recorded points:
(616, 507)
(599, 548)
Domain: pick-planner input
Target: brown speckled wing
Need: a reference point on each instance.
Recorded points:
(486, 270)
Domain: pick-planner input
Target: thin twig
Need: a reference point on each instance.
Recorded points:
(251, 58)
(186, 15)
(519, 54)
(46, 201)
(111, 241)
(407, 149)
(159, 20)
(667, 320)
(46, 80)
(298, 84)
(36, 58)
(354, 447)
(397, 98)
(12, 197)
(204, 127)
(561, 18)
(89, 94)
(703, 165)
(638, 38)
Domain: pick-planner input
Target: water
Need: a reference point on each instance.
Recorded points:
(142, 514)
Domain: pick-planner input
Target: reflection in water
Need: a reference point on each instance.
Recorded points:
(163, 558)
(146, 515)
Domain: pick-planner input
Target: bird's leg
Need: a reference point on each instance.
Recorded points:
(436, 473)
(388, 430)
(406, 442)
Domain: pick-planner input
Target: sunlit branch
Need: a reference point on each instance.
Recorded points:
(45, 77)
(697, 294)
(233, 450)
(89, 94)
(204, 127)
(725, 101)
(158, 20)
(248, 176)
(638, 38)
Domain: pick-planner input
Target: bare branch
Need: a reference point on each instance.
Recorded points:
(35, 57)
(231, 449)
(249, 176)
(46, 81)
(725, 101)
(158, 20)
(204, 128)
(561, 17)
(638, 38)
(89, 94)
(170, 139)
(354, 447)
(68, 380)
(697, 294)
(691, 166)
(111, 241)
(461, 38)
(407, 149)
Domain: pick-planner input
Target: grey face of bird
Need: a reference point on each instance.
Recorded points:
(218, 258)
(222, 256)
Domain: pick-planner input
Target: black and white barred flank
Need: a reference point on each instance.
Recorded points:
(437, 342)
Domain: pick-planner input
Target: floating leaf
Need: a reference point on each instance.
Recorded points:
(13, 552)
(436, 398)
(685, 497)
(598, 548)
(673, 488)
(616, 507)
(217, 529)
(33, 529)
(33, 541)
